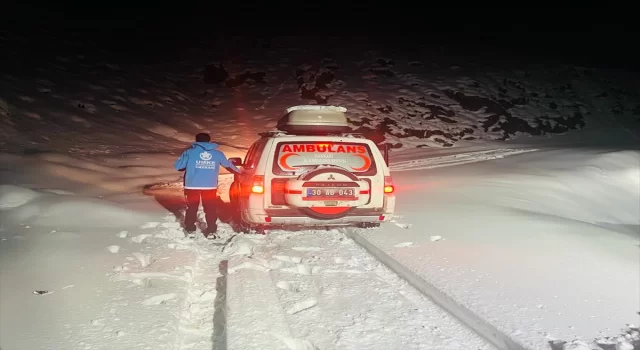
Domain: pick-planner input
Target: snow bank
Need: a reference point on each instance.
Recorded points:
(95, 176)
(595, 187)
(543, 245)
(23, 206)
(14, 196)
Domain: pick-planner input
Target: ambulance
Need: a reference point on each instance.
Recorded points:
(313, 171)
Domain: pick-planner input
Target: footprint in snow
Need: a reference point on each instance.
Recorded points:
(159, 299)
(113, 248)
(144, 259)
(301, 306)
(404, 244)
(435, 238)
(288, 286)
(123, 234)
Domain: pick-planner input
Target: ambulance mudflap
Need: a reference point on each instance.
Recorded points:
(327, 192)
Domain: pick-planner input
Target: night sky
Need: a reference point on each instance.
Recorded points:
(584, 36)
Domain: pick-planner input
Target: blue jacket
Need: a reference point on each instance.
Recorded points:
(202, 163)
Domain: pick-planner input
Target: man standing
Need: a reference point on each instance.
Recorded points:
(201, 163)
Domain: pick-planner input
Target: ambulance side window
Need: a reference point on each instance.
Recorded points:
(249, 155)
(254, 154)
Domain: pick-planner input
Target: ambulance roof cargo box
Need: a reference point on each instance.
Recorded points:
(314, 120)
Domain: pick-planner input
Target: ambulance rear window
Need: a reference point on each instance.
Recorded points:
(294, 157)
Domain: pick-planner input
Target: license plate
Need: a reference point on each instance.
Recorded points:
(331, 192)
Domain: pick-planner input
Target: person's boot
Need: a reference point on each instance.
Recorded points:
(190, 231)
(210, 232)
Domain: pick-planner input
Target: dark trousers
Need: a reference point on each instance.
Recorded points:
(209, 198)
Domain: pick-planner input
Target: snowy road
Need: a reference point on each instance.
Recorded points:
(152, 288)
(149, 287)
(297, 290)
(528, 247)
(287, 290)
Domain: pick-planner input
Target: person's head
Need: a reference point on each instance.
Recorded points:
(202, 137)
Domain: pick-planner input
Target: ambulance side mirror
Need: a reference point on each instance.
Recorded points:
(236, 161)
(384, 148)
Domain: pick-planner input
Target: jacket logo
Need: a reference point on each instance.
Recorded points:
(331, 177)
(206, 155)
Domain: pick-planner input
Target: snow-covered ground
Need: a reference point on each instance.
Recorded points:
(543, 245)
(108, 278)
(317, 289)
(536, 236)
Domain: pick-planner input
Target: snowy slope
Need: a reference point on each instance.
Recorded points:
(413, 98)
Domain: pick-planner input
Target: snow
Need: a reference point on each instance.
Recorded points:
(542, 245)
(335, 297)
(518, 202)
(145, 282)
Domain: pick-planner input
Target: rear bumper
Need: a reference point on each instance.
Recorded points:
(307, 221)
(254, 213)
(295, 217)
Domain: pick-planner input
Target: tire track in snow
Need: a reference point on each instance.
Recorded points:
(320, 290)
(469, 318)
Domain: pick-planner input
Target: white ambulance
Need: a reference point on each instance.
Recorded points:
(313, 171)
